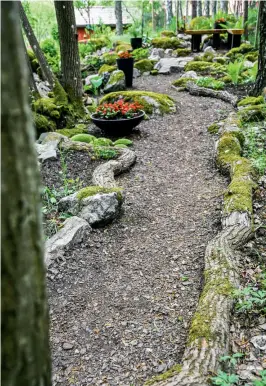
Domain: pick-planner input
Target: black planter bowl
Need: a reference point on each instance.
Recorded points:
(118, 127)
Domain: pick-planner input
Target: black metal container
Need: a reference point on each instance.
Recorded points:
(136, 43)
(126, 65)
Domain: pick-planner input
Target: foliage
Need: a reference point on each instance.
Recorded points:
(254, 147)
(110, 57)
(262, 381)
(135, 29)
(49, 46)
(166, 43)
(125, 55)
(168, 33)
(118, 110)
(85, 49)
(123, 141)
(228, 378)
(140, 53)
(210, 83)
(144, 65)
(106, 68)
(201, 22)
(234, 70)
(95, 84)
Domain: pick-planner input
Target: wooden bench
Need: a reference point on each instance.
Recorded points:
(233, 40)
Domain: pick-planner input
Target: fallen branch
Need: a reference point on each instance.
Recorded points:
(193, 89)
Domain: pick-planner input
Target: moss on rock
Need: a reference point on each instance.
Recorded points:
(182, 52)
(182, 82)
(226, 79)
(154, 72)
(244, 48)
(106, 68)
(252, 56)
(166, 42)
(168, 34)
(71, 132)
(251, 101)
(88, 138)
(92, 190)
(144, 65)
(47, 107)
(110, 58)
(252, 113)
(123, 141)
(151, 102)
(214, 128)
(176, 369)
(43, 123)
(205, 67)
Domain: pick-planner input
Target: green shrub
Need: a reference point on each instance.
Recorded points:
(48, 46)
(144, 65)
(88, 138)
(166, 43)
(140, 53)
(101, 42)
(86, 49)
(200, 22)
(234, 70)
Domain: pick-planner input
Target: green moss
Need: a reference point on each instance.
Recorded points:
(182, 82)
(166, 42)
(110, 58)
(34, 65)
(123, 141)
(31, 55)
(244, 48)
(238, 196)
(116, 77)
(47, 107)
(99, 42)
(103, 142)
(144, 65)
(168, 34)
(106, 68)
(140, 53)
(154, 72)
(252, 113)
(176, 369)
(165, 103)
(252, 56)
(123, 47)
(226, 79)
(71, 132)
(251, 101)
(182, 52)
(83, 138)
(92, 190)
(204, 67)
(214, 128)
(228, 150)
(220, 60)
(43, 123)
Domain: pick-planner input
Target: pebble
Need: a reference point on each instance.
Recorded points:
(67, 346)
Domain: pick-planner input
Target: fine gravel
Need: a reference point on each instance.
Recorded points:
(121, 303)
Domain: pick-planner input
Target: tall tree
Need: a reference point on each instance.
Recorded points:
(32, 83)
(199, 8)
(224, 6)
(70, 61)
(194, 8)
(214, 7)
(25, 341)
(245, 19)
(260, 84)
(169, 12)
(119, 17)
(207, 8)
(47, 73)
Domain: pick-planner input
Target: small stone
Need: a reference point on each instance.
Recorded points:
(259, 342)
(67, 346)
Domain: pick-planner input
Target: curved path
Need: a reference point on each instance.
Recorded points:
(121, 303)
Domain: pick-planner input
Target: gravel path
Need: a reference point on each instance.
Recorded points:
(121, 303)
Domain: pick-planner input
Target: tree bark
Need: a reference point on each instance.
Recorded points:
(224, 6)
(194, 8)
(260, 84)
(119, 17)
(193, 89)
(245, 18)
(25, 340)
(214, 7)
(169, 12)
(47, 73)
(207, 8)
(70, 61)
(32, 83)
(199, 8)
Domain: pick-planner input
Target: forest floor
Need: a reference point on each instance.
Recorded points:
(121, 303)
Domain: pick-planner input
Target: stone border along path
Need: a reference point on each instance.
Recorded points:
(121, 302)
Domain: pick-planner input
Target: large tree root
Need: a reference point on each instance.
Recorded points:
(193, 89)
(104, 175)
(209, 331)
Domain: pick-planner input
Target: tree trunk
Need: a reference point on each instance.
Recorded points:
(260, 83)
(245, 19)
(119, 17)
(207, 8)
(187, 9)
(68, 40)
(214, 7)
(169, 12)
(47, 73)
(194, 8)
(180, 10)
(224, 6)
(32, 83)
(177, 16)
(199, 8)
(25, 340)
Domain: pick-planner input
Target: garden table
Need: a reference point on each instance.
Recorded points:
(233, 40)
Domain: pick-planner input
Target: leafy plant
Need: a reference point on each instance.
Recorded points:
(231, 359)
(262, 381)
(135, 29)
(48, 46)
(118, 110)
(254, 147)
(140, 53)
(234, 70)
(224, 379)
(210, 83)
(95, 84)
(252, 299)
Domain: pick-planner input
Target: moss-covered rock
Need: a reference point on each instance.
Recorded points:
(47, 106)
(43, 123)
(251, 101)
(110, 58)
(144, 65)
(123, 141)
(252, 113)
(205, 67)
(182, 52)
(154, 72)
(166, 42)
(176, 369)
(92, 190)
(116, 82)
(103, 142)
(213, 128)
(226, 79)
(123, 47)
(182, 82)
(87, 138)
(152, 103)
(220, 60)
(106, 68)
(168, 34)
(244, 48)
(99, 43)
(252, 56)
(71, 132)
(140, 53)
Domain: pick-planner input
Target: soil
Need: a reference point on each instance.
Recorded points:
(121, 303)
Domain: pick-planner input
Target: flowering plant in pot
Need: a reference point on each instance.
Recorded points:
(220, 23)
(125, 63)
(118, 117)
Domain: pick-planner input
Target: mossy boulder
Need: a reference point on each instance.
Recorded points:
(166, 42)
(48, 107)
(205, 67)
(226, 79)
(106, 68)
(123, 47)
(90, 191)
(43, 123)
(182, 82)
(237, 52)
(116, 82)
(181, 52)
(154, 72)
(252, 56)
(71, 132)
(144, 65)
(103, 142)
(110, 58)
(251, 101)
(213, 128)
(87, 138)
(140, 53)
(219, 59)
(152, 103)
(252, 113)
(168, 34)
(123, 141)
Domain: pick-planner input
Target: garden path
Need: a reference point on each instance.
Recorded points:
(121, 304)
